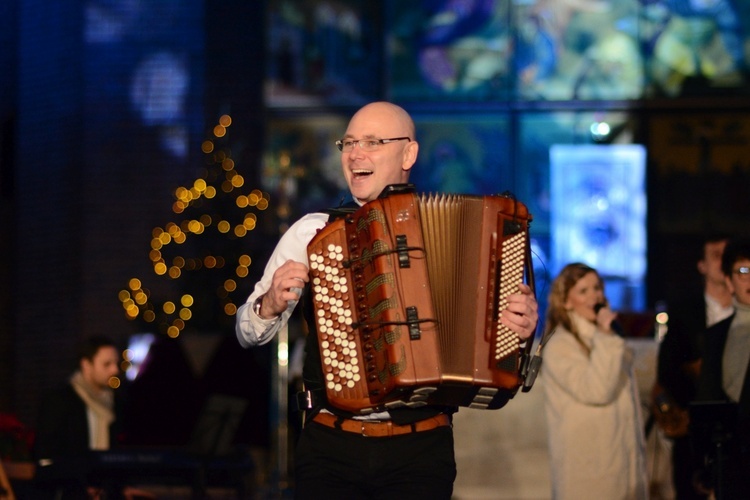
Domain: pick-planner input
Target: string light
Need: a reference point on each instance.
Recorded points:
(223, 213)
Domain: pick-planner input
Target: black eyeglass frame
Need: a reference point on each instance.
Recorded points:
(340, 142)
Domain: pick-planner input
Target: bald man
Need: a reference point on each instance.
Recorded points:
(412, 457)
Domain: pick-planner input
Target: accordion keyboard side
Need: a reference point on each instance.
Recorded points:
(335, 314)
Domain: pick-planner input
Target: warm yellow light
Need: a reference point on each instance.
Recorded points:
(186, 300)
(160, 268)
(165, 238)
(223, 226)
(240, 231)
(242, 201)
(262, 204)
(173, 332)
(230, 285)
(178, 261)
(225, 120)
(185, 314)
(156, 243)
(113, 382)
(210, 192)
(123, 295)
(154, 255)
(169, 307)
(662, 318)
(227, 164)
(132, 311)
(220, 131)
(226, 186)
(140, 298)
(149, 316)
(206, 219)
(242, 271)
(127, 354)
(230, 309)
(245, 260)
(207, 146)
(174, 272)
(200, 185)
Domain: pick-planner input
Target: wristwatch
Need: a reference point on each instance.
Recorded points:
(257, 305)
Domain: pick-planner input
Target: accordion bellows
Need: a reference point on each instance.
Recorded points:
(407, 295)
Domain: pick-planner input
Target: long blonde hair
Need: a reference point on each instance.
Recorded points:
(558, 296)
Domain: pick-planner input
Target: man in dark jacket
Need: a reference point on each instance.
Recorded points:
(723, 431)
(76, 418)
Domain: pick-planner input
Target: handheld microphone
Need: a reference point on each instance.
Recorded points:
(615, 325)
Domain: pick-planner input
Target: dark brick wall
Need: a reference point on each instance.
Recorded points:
(8, 45)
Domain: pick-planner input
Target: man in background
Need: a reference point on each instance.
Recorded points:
(680, 356)
(76, 418)
(722, 434)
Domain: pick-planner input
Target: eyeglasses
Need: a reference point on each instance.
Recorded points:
(743, 271)
(367, 144)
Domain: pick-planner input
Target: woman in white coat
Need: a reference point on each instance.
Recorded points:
(591, 400)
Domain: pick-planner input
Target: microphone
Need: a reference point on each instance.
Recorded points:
(615, 325)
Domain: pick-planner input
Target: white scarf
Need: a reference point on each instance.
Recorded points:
(99, 408)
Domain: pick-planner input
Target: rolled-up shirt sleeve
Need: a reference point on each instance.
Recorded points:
(251, 329)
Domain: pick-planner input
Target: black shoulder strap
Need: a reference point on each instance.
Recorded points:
(341, 211)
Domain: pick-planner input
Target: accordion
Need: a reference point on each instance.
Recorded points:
(407, 293)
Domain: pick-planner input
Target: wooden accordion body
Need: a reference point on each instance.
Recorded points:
(407, 293)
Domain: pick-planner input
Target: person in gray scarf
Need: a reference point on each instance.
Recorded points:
(721, 414)
(74, 419)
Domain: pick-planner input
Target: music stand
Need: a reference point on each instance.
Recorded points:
(713, 425)
(214, 432)
(216, 426)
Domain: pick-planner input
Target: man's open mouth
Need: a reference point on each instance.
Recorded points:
(361, 172)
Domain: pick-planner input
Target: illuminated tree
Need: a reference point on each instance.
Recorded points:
(203, 254)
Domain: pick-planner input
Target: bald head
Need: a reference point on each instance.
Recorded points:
(382, 112)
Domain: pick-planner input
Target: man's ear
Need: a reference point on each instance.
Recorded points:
(84, 365)
(730, 285)
(410, 155)
(702, 267)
